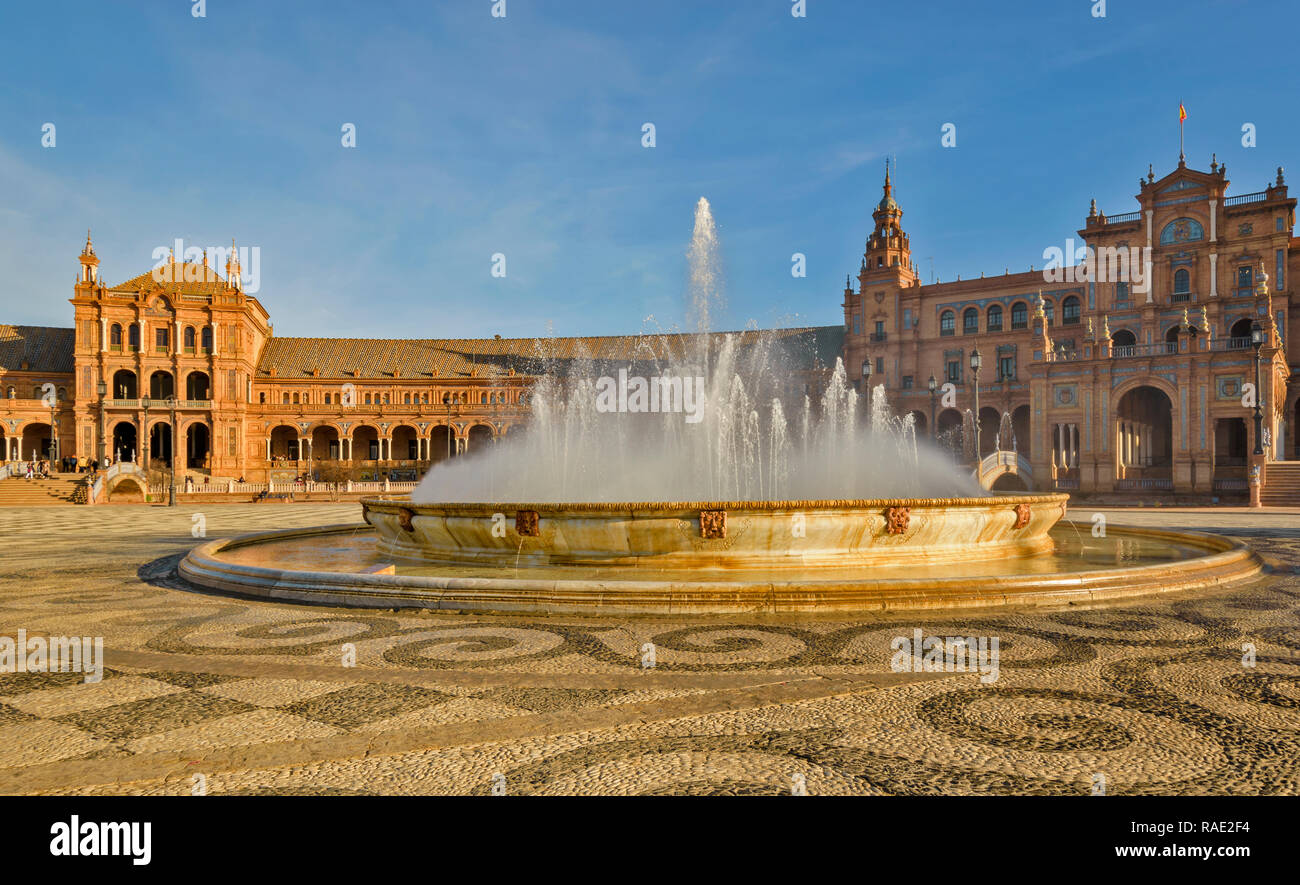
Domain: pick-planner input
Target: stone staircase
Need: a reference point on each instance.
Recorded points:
(60, 488)
(1282, 488)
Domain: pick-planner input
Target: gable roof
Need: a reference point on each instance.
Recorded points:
(496, 357)
(43, 348)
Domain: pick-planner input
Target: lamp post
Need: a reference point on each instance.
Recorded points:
(54, 427)
(976, 361)
(934, 395)
(144, 444)
(102, 390)
(171, 488)
(866, 387)
(1257, 337)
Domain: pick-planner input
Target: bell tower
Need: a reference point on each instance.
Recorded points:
(89, 277)
(888, 257)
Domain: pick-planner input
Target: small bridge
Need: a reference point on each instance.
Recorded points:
(124, 479)
(999, 464)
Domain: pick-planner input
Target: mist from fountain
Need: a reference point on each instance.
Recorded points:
(742, 447)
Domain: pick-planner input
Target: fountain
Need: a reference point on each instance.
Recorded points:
(671, 479)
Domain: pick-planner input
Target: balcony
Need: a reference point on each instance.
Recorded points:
(1231, 344)
(1256, 197)
(878, 337)
(1128, 351)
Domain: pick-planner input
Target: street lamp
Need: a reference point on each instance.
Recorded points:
(866, 386)
(976, 361)
(171, 489)
(934, 395)
(1257, 337)
(144, 444)
(102, 390)
(54, 429)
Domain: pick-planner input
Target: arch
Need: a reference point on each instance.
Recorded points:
(1020, 315)
(1171, 334)
(405, 443)
(162, 385)
(124, 385)
(198, 445)
(325, 443)
(126, 444)
(365, 443)
(950, 430)
(947, 323)
(1231, 445)
(480, 437)
(1123, 338)
(1020, 427)
(36, 441)
(198, 386)
(970, 321)
(442, 443)
(160, 442)
(1009, 481)
(284, 443)
(131, 488)
(1071, 310)
(1181, 230)
(920, 423)
(990, 424)
(994, 323)
(1241, 328)
(1144, 429)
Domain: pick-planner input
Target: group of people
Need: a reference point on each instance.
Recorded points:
(39, 468)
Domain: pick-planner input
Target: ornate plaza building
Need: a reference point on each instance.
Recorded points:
(1128, 369)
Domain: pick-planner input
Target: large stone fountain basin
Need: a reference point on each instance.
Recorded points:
(714, 534)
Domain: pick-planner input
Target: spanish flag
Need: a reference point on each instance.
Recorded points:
(1182, 112)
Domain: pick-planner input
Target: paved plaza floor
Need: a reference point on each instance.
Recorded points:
(254, 697)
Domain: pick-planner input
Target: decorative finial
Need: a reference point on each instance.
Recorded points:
(1092, 208)
(1205, 319)
(1261, 286)
(1187, 323)
(1280, 180)
(1151, 172)
(1214, 162)
(1105, 327)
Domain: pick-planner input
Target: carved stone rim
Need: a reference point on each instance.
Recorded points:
(792, 504)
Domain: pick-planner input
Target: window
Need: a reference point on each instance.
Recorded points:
(995, 318)
(234, 442)
(189, 339)
(1182, 282)
(880, 365)
(406, 401)
(857, 324)
(1049, 311)
(907, 382)
(367, 399)
(1070, 311)
(160, 338)
(261, 398)
(1121, 292)
(207, 339)
(1245, 280)
(880, 330)
(953, 371)
(327, 398)
(133, 337)
(115, 337)
(1019, 315)
(1006, 368)
(947, 322)
(285, 401)
(374, 450)
(970, 321)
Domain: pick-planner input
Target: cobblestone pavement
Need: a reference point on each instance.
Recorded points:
(255, 697)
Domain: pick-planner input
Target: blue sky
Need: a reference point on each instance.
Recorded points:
(522, 135)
